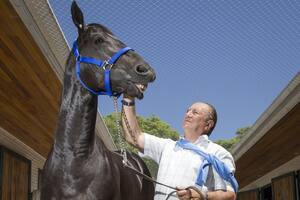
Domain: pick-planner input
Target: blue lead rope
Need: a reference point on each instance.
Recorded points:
(101, 64)
(208, 160)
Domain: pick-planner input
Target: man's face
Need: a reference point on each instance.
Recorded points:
(195, 119)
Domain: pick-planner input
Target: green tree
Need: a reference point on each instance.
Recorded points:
(153, 125)
(157, 127)
(230, 143)
(241, 132)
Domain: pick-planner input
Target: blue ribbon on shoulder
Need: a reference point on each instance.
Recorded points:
(208, 160)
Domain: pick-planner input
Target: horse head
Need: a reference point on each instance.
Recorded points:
(130, 73)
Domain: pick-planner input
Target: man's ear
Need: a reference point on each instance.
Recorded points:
(77, 16)
(209, 124)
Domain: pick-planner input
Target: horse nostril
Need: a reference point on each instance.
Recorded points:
(153, 77)
(141, 69)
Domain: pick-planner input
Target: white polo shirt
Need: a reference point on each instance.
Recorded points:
(180, 167)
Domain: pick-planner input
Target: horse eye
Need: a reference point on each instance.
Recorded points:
(99, 41)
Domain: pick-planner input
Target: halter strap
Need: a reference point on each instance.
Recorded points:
(117, 55)
(101, 64)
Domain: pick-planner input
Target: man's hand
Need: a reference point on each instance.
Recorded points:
(127, 97)
(189, 193)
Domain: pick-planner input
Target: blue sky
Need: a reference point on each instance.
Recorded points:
(236, 55)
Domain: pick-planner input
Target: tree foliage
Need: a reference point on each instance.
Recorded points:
(153, 125)
(230, 143)
(157, 127)
(241, 132)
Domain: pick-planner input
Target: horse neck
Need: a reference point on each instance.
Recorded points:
(77, 117)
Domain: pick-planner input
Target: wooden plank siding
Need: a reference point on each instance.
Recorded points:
(249, 195)
(15, 175)
(29, 89)
(279, 145)
(37, 161)
(284, 187)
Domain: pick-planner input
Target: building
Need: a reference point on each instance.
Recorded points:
(268, 158)
(33, 52)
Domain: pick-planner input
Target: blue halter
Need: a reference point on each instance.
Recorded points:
(106, 65)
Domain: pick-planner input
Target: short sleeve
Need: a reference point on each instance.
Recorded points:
(228, 160)
(154, 146)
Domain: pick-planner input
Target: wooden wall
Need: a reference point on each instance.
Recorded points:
(284, 187)
(29, 89)
(15, 176)
(249, 195)
(37, 161)
(279, 145)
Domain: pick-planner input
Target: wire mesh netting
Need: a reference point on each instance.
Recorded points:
(240, 53)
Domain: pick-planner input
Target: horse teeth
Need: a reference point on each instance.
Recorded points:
(141, 87)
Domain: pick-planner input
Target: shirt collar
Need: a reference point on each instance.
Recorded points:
(201, 139)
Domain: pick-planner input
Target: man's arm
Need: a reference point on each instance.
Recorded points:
(132, 131)
(211, 195)
(221, 195)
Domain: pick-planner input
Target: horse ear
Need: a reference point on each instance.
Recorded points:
(77, 16)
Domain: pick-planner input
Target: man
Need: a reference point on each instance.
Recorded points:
(179, 167)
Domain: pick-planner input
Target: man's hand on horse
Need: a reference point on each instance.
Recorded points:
(189, 194)
(127, 97)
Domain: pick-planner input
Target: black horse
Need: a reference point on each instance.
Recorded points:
(79, 166)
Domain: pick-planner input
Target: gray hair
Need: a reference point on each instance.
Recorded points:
(212, 115)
